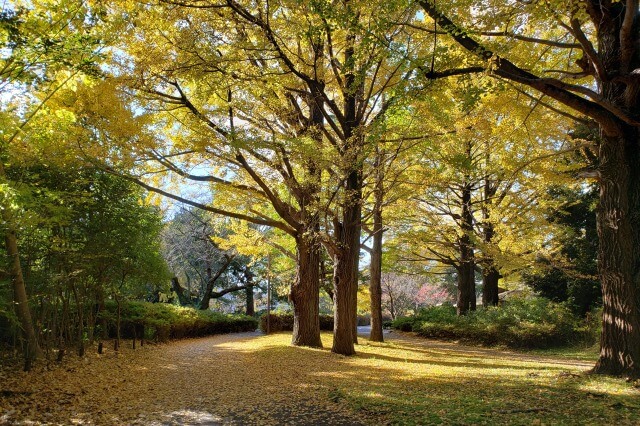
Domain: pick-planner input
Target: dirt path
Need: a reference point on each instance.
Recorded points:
(207, 381)
(244, 379)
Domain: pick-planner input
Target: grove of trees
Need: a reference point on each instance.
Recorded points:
(456, 137)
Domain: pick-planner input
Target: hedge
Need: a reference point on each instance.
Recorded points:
(520, 323)
(162, 321)
(283, 321)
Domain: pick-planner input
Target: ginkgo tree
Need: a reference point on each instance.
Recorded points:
(479, 190)
(272, 113)
(581, 58)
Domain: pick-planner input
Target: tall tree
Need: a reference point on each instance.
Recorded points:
(483, 160)
(45, 46)
(271, 99)
(599, 40)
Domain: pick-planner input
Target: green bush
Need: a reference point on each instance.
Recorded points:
(283, 321)
(520, 323)
(404, 323)
(161, 321)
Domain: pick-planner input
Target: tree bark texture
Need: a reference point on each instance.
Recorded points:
(250, 303)
(345, 276)
(490, 280)
(619, 255)
(490, 274)
(305, 294)
(618, 213)
(375, 286)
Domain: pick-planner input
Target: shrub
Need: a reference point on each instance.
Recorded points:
(530, 323)
(163, 321)
(404, 323)
(283, 321)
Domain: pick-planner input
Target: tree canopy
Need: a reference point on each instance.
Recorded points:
(436, 137)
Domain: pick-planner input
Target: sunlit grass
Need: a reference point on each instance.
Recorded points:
(420, 382)
(263, 380)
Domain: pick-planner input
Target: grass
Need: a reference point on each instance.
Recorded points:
(408, 381)
(257, 379)
(578, 352)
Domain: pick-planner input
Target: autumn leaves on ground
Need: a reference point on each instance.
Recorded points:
(250, 378)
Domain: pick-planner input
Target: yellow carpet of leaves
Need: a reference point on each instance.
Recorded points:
(261, 380)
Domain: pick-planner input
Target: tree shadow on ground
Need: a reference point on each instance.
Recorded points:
(262, 380)
(404, 384)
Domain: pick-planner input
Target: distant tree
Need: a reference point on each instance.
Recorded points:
(191, 248)
(399, 293)
(572, 276)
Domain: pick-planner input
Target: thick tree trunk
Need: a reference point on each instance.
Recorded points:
(183, 296)
(465, 275)
(618, 213)
(490, 274)
(346, 261)
(466, 269)
(619, 255)
(343, 318)
(490, 279)
(305, 294)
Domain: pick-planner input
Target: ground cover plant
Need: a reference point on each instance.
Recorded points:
(258, 379)
(520, 323)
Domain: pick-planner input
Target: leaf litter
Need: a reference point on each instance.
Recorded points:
(252, 379)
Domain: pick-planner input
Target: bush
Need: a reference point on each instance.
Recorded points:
(283, 321)
(161, 321)
(520, 323)
(404, 323)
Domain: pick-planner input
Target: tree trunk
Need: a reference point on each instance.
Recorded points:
(183, 297)
(250, 304)
(618, 213)
(466, 269)
(305, 294)
(490, 279)
(490, 274)
(618, 53)
(375, 267)
(346, 261)
(206, 297)
(32, 349)
(392, 307)
(619, 255)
